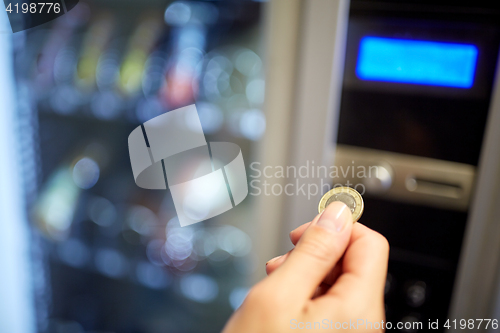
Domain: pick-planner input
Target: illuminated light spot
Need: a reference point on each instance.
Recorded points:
(178, 13)
(73, 252)
(233, 122)
(148, 109)
(417, 62)
(152, 276)
(153, 252)
(234, 241)
(111, 263)
(211, 118)
(210, 86)
(65, 99)
(237, 102)
(255, 91)
(204, 244)
(173, 223)
(191, 36)
(57, 204)
(154, 76)
(86, 173)
(199, 288)
(186, 265)
(221, 63)
(237, 296)
(141, 219)
(223, 84)
(107, 70)
(106, 105)
(64, 65)
(179, 243)
(252, 124)
(248, 62)
(102, 212)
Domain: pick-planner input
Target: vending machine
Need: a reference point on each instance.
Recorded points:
(409, 90)
(416, 95)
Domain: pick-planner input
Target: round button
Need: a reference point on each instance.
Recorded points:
(410, 323)
(416, 294)
(378, 179)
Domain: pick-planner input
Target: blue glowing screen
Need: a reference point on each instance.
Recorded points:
(418, 62)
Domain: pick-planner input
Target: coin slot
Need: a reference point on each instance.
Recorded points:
(433, 187)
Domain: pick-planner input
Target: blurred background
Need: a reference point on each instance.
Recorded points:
(106, 255)
(83, 249)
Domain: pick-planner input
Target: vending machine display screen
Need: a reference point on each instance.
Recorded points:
(416, 62)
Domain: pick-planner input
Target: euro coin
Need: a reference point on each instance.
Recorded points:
(347, 195)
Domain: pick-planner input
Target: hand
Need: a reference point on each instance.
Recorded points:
(335, 275)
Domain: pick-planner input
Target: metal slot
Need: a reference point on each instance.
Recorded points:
(407, 178)
(432, 187)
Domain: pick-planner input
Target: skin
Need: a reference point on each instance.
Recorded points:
(335, 273)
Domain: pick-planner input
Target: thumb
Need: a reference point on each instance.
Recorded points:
(317, 252)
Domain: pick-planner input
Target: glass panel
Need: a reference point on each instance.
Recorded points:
(113, 255)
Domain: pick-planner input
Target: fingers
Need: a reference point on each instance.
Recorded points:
(274, 263)
(364, 266)
(319, 249)
(329, 279)
(297, 233)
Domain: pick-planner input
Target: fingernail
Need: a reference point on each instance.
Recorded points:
(335, 217)
(274, 259)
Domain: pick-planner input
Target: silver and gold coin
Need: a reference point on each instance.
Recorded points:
(347, 195)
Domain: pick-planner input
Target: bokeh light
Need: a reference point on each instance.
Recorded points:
(179, 243)
(237, 296)
(178, 13)
(141, 219)
(86, 173)
(234, 241)
(255, 91)
(211, 117)
(152, 276)
(248, 62)
(106, 105)
(200, 288)
(252, 124)
(102, 212)
(73, 252)
(111, 263)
